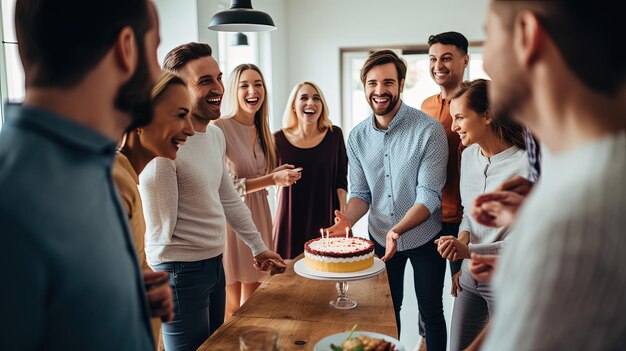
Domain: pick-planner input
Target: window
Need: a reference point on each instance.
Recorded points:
(11, 71)
(418, 84)
(230, 56)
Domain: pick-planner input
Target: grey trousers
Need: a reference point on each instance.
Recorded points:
(472, 308)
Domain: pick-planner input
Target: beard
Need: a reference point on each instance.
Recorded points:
(202, 111)
(134, 97)
(510, 99)
(393, 101)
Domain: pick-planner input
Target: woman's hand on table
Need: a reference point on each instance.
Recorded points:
(270, 261)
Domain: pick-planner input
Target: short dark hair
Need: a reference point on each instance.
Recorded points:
(585, 32)
(179, 56)
(382, 57)
(60, 41)
(450, 38)
(476, 94)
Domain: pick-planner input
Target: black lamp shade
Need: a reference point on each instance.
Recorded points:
(239, 39)
(241, 18)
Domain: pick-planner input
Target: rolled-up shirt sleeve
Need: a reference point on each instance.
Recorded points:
(432, 170)
(358, 182)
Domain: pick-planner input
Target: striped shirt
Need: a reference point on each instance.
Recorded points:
(561, 281)
(394, 169)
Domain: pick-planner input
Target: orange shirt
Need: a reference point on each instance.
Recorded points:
(451, 208)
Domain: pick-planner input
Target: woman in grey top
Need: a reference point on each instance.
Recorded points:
(495, 152)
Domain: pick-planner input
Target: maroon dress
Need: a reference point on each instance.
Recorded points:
(309, 205)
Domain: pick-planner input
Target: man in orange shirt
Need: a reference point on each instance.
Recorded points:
(448, 59)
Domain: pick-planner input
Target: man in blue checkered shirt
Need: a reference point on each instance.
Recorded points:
(397, 160)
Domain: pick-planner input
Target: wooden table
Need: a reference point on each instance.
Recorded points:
(298, 308)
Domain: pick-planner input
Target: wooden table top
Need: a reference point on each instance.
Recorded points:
(298, 308)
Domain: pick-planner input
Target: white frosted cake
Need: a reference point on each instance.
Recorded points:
(339, 254)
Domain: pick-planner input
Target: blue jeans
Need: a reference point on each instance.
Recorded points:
(199, 302)
(428, 274)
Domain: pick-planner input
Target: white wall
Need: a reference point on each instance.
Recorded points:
(318, 29)
(178, 24)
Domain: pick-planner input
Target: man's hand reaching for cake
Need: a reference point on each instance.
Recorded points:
(341, 223)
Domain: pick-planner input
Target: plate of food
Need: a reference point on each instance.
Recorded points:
(358, 341)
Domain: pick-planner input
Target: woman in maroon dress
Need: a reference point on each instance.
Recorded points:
(310, 141)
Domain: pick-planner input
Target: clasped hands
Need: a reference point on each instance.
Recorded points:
(451, 248)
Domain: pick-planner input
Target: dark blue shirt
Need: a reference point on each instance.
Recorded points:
(70, 277)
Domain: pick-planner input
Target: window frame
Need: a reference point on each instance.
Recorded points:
(347, 54)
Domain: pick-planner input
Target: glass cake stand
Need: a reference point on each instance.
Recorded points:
(342, 302)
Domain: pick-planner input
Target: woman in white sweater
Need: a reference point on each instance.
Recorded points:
(495, 152)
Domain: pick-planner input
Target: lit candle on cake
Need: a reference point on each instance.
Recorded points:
(327, 238)
(347, 230)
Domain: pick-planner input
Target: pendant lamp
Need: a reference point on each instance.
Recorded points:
(241, 18)
(239, 39)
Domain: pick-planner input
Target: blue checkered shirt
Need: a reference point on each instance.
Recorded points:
(394, 169)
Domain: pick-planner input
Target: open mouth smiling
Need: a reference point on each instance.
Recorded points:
(214, 101)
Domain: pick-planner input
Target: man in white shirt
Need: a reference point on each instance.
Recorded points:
(187, 203)
(558, 67)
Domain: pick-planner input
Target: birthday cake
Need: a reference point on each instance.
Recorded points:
(339, 254)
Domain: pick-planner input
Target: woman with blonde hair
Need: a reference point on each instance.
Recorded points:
(309, 140)
(168, 130)
(251, 160)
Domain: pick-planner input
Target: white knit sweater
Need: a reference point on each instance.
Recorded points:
(188, 201)
(561, 280)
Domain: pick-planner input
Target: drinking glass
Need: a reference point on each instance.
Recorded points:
(258, 339)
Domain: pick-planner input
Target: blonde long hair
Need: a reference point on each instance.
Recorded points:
(290, 119)
(163, 83)
(166, 79)
(261, 117)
